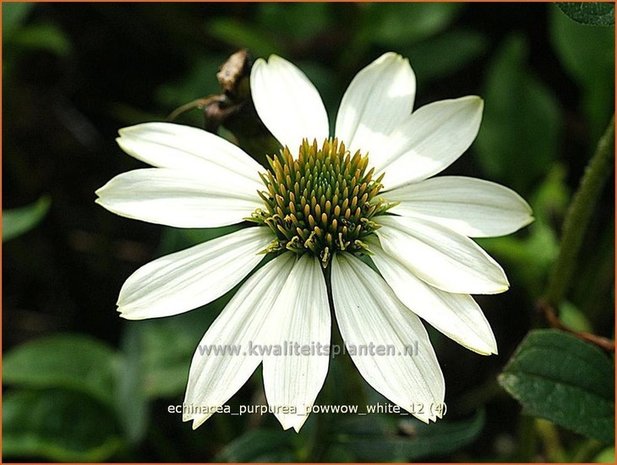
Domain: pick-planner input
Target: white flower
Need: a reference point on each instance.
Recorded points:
(320, 212)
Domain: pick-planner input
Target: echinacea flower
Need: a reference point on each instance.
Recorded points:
(359, 212)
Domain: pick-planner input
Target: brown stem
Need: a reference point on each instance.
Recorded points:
(553, 320)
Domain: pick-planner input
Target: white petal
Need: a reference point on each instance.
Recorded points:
(370, 315)
(180, 198)
(293, 380)
(458, 316)
(216, 376)
(430, 140)
(193, 277)
(441, 257)
(287, 102)
(168, 145)
(473, 207)
(376, 102)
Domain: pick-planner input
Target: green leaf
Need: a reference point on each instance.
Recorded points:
(338, 454)
(588, 55)
(571, 316)
(401, 24)
(259, 445)
(67, 361)
(168, 347)
(586, 52)
(445, 54)
(131, 401)
(59, 426)
(297, 21)
(13, 16)
(606, 456)
(531, 254)
(43, 36)
(530, 257)
(551, 198)
(592, 13)
(18, 221)
(556, 376)
(520, 130)
(378, 441)
(244, 35)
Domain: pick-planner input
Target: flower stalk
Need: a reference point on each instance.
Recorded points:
(575, 225)
(579, 214)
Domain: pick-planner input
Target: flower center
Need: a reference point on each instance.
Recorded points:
(321, 202)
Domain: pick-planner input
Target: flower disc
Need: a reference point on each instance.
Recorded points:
(321, 202)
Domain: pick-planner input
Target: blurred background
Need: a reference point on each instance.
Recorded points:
(81, 384)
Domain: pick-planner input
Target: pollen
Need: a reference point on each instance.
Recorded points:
(321, 202)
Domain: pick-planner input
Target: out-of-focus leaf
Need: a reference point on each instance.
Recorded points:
(131, 401)
(13, 16)
(69, 361)
(168, 351)
(244, 35)
(592, 13)
(573, 318)
(520, 129)
(297, 21)
(401, 24)
(588, 55)
(378, 441)
(586, 52)
(446, 53)
(44, 36)
(168, 347)
(260, 445)
(558, 377)
(606, 456)
(57, 425)
(338, 454)
(551, 198)
(20, 220)
(531, 256)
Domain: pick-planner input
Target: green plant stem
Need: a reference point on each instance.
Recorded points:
(550, 438)
(587, 451)
(579, 214)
